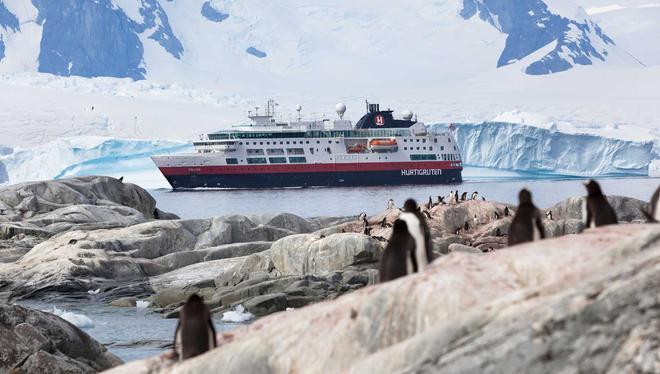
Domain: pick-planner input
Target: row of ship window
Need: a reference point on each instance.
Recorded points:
(312, 134)
(423, 140)
(302, 160)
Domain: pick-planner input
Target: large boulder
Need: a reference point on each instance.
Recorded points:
(585, 302)
(309, 254)
(627, 209)
(76, 261)
(46, 196)
(32, 341)
(43, 209)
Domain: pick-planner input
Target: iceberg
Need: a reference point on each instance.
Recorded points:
(543, 151)
(85, 155)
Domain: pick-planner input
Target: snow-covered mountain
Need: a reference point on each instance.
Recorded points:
(209, 41)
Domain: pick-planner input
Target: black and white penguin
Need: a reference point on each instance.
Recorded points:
(420, 232)
(121, 179)
(597, 210)
(441, 200)
(483, 198)
(430, 204)
(396, 257)
(653, 214)
(194, 333)
(475, 195)
(464, 196)
(506, 211)
(458, 231)
(362, 216)
(548, 215)
(427, 214)
(390, 204)
(466, 227)
(526, 225)
(497, 215)
(367, 230)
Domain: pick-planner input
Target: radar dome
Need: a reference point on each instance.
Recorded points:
(407, 115)
(340, 109)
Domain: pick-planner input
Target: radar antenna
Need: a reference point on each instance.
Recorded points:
(298, 109)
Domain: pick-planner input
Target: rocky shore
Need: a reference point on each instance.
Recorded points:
(98, 239)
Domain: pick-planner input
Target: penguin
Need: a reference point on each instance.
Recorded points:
(497, 215)
(194, 333)
(362, 216)
(343, 230)
(458, 231)
(466, 227)
(526, 225)
(599, 212)
(450, 198)
(475, 220)
(365, 223)
(441, 200)
(367, 231)
(464, 196)
(384, 224)
(498, 232)
(390, 204)
(475, 195)
(506, 211)
(121, 179)
(427, 214)
(430, 204)
(548, 215)
(322, 236)
(483, 198)
(653, 215)
(420, 232)
(396, 258)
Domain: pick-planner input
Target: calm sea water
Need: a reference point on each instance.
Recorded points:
(130, 333)
(315, 202)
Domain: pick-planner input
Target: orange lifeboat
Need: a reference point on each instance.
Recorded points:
(383, 145)
(357, 148)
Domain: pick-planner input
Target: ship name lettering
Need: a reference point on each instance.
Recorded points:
(410, 172)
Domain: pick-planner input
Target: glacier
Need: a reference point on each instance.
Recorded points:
(84, 155)
(547, 152)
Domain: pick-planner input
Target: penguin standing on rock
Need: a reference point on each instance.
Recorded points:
(464, 196)
(397, 254)
(194, 333)
(599, 212)
(420, 231)
(506, 211)
(653, 215)
(526, 225)
(548, 215)
(475, 195)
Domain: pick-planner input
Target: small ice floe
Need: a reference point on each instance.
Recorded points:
(78, 320)
(94, 292)
(289, 309)
(142, 304)
(237, 315)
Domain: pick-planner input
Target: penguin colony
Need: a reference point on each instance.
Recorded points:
(409, 250)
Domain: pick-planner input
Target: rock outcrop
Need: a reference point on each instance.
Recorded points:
(579, 303)
(32, 341)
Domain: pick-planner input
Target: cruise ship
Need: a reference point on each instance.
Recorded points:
(380, 150)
